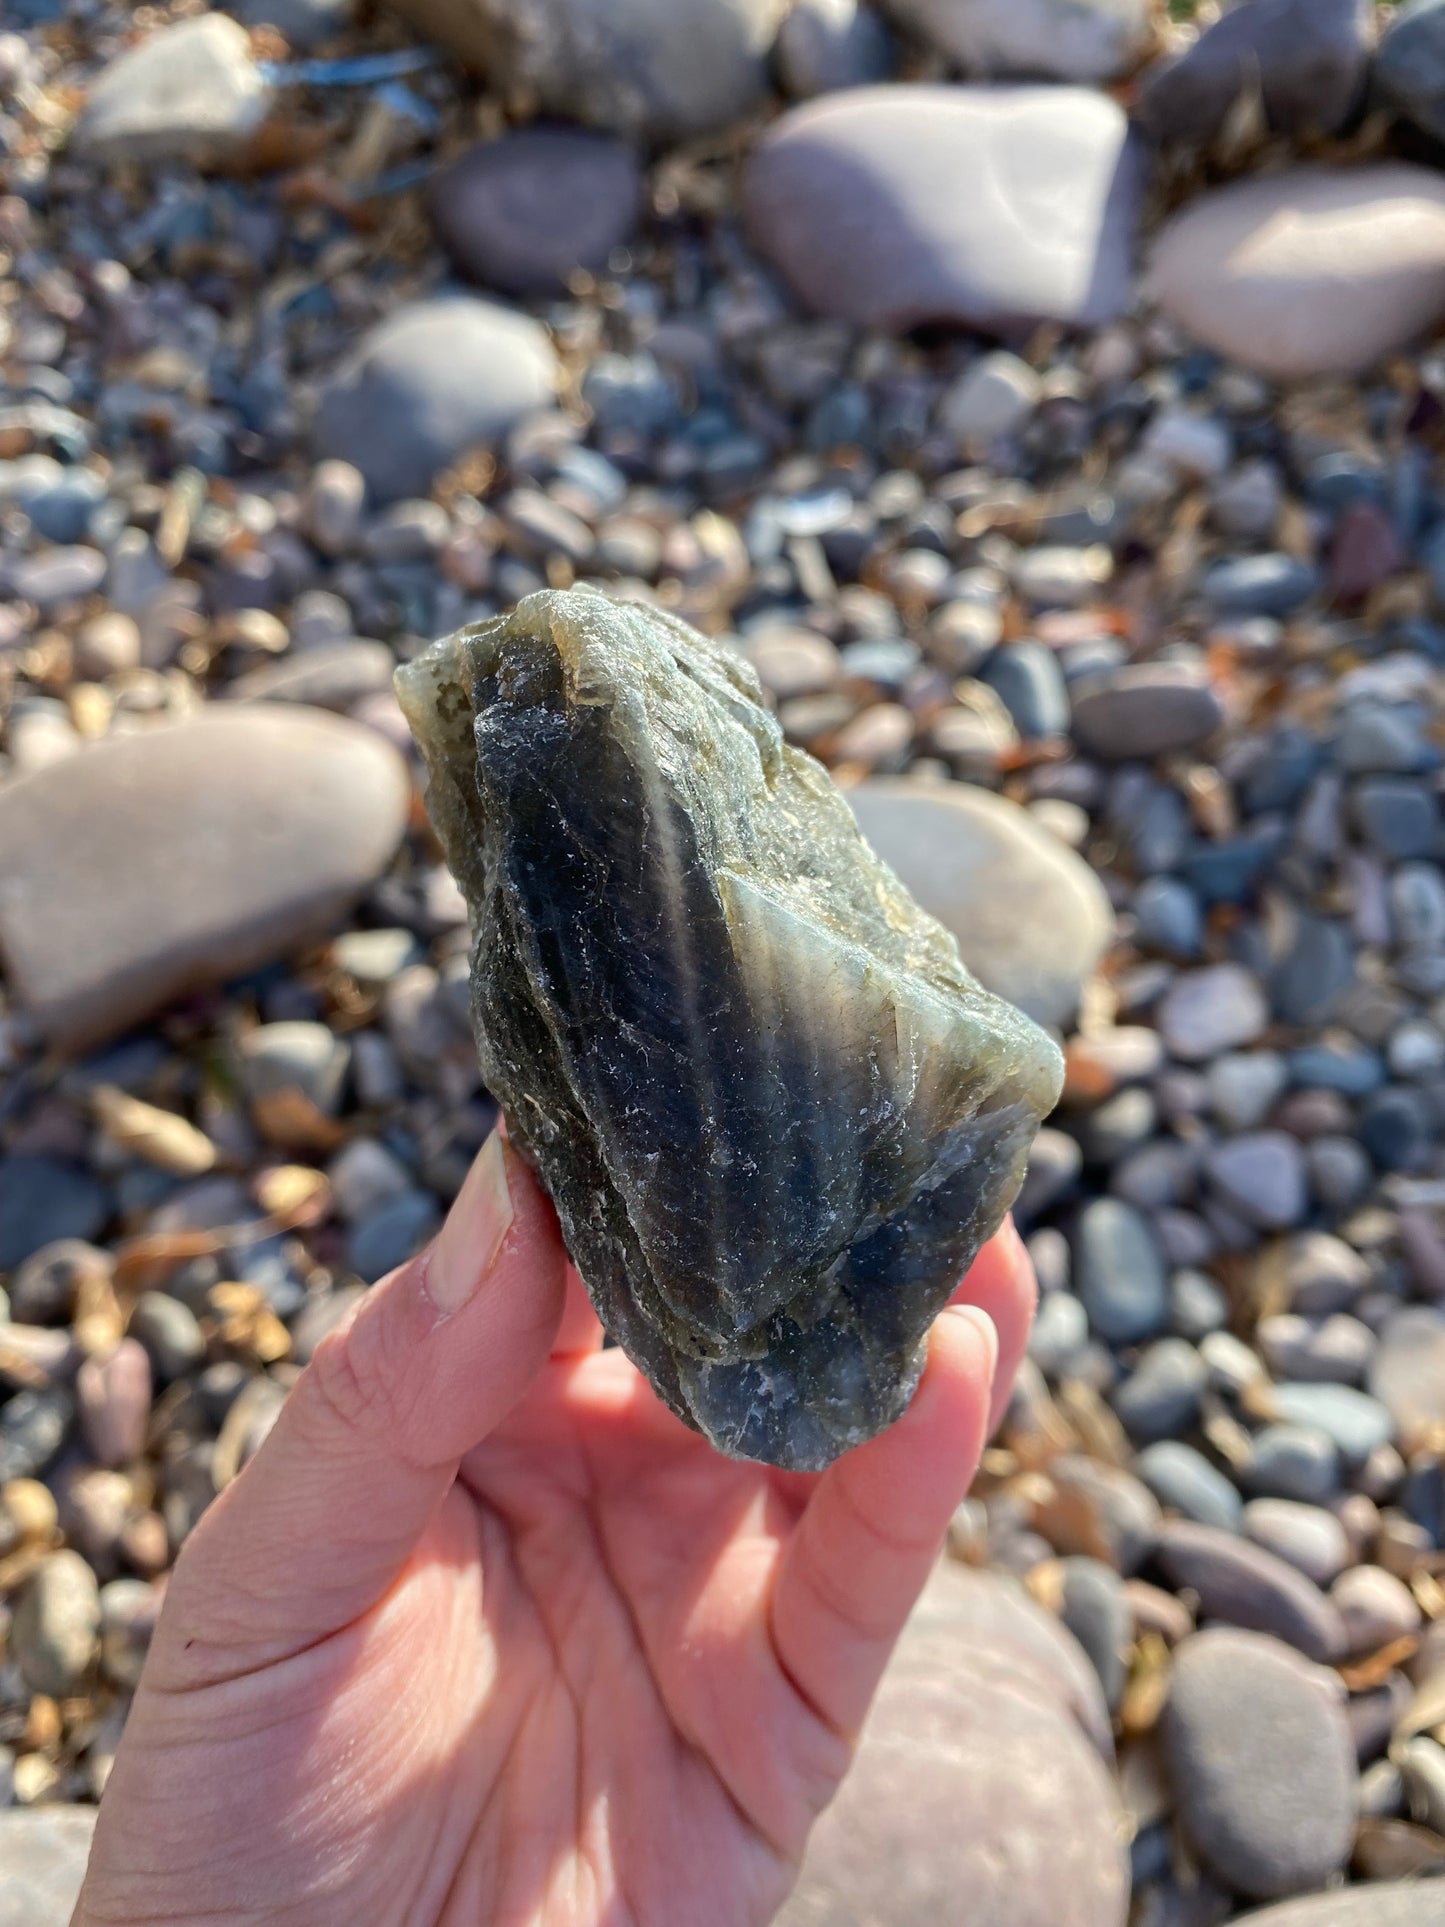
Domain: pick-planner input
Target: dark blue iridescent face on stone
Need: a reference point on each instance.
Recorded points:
(775, 1113)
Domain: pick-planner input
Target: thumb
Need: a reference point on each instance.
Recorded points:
(323, 1519)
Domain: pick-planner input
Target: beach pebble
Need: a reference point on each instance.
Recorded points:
(162, 863)
(44, 1201)
(523, 213)
(1409, 72)
(1096, 1610)
(824, 45)
(1083, 40)
(991, 399)
(43, 1855)
(1205, 1012)
(434, 380)
(660, 68)
(1261, 1756)
(1407, 1375)
(1243, 1585)
(977, 1773)
(1151, 709)
(1307, 58)
(1035, 942)
(1119, 1272)
(1255, 270)
(1375, 1607)
(1184, 1480)
(842, 198)
(113, 1397)
(1160, 1397)
(55, 1633)
(1261, 1177)
(191, 91)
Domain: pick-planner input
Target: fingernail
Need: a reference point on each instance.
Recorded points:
(475, 1230)
(986, 1329)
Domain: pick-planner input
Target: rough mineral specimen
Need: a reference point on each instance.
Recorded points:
(775, 1113)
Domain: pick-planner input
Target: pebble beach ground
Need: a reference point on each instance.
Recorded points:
(1065, 454)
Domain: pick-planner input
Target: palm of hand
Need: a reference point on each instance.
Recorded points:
(586, 1673)
(581, 1635)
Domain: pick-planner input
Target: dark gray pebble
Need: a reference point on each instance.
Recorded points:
(522, 213)
(1119, 1272)
(1243, 1585)
(1262, 1761)
(1096, 1611)
(1160, 1397)
(41, 1200)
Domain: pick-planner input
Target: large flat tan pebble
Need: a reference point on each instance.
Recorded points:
(1315, 271)
(991, 206)
(170, 860)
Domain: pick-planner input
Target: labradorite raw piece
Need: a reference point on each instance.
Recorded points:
(775, 1113)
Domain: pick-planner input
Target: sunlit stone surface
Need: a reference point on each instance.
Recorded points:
(776, 1114)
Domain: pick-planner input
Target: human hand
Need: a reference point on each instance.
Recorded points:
(484, 1636)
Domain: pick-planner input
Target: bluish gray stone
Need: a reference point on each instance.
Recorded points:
(1184, 1479)
(1119, 1272)
(1168, 918)
(1397, 1128)
(1160, 1397)
(1261, 1178)
(1307, 58)
(33, 1425)
(432, 381)
(1351, 1069)
(170, 1332)
(392, 1234)
(1197, 1305)
(1271, 585)
(1355, 1422)
(1208, 1011)
(1096, 1611)
(1400, 818)
(1060, 1332)
(1027, 679)
(1316, 969)
(41, 1200)
(1293, 1462)
(1409, 73)
(826, 45)
(1244, 1085)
